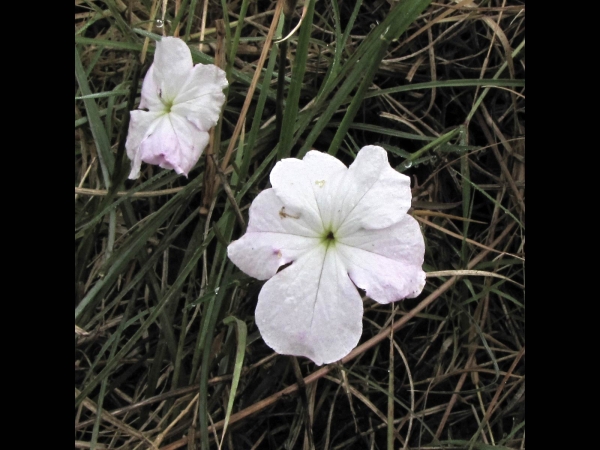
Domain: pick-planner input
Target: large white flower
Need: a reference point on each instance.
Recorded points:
(183, 102)
(340, 227)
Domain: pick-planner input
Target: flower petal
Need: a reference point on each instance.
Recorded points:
(173, 143)
(140, 126)
(372, 194)
(268, 213)
(261, 254)
(386, 263)
(151, 93)
(311, 309)
(306, 185)
(172, 67)
(273, 238)
(201, 97)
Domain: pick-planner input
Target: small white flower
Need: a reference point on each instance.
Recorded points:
(183, 102)
(341, 228)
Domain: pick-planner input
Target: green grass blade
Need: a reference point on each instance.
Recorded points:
(241, 332)
(399, 19)
(155, 312)
(236, 37)
(486, 90)
(102, 95)
(96, 125)
(135, 243)
(204, 371)
(190, 21)
(250, 143)
(475, 82)
(361, 66)
(295, 88)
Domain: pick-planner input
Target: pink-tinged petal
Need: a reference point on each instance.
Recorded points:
(141, 124)
(174, 143)
(311, 309)
(307, 185)
(274, 237)
(261, 254)
(372, 195)
(386, 263)
(150, 93)
(201, 97)
(172, 67)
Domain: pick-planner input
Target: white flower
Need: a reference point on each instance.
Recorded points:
(340, 227)
(183, 101)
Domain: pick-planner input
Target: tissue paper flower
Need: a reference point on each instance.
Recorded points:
(183, 102)
(340, 228)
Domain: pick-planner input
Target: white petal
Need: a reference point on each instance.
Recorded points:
(140, 125)
(151, 93)
(307, 186)
(311, 309)
(261, 254)
(174, 143)
(201, 97)
(386, 263)
(273, 238)
(268, 213)
(172, 66)
(372, 195)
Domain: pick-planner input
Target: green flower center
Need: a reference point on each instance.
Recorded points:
(168, 104)
(328, 238)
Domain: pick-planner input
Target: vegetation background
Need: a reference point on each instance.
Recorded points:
(167, 354)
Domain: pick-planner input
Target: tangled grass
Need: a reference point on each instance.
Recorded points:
(167, 354)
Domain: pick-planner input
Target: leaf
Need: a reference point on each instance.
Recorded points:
(241, 331)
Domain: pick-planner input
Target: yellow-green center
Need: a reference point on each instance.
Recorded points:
(168, 105)
(328, 238)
